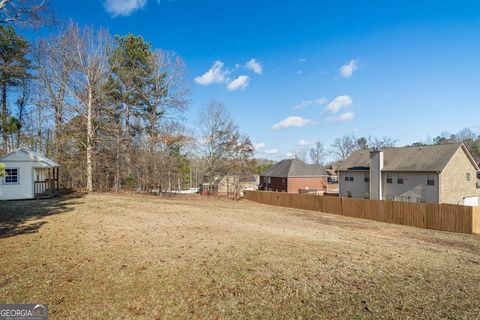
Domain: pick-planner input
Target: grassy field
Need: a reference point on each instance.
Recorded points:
(103, 256)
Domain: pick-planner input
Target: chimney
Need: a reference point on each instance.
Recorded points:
(376, 167)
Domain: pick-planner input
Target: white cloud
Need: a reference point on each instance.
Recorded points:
(346, 71)
(347, 116)
(292, 121)
(239, 83)
(302, 60)
(271, 151)
(123, 7)
(339, 103)
(302, 142)
(216, 74)
(259, 146)
(254, 65)
(306, 103)
(290, 155)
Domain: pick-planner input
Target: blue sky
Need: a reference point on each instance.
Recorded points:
(293, 72)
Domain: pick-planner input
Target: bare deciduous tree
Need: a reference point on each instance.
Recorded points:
(343, 147)
(381, 142)
(90, 60)
(224, 149)
(317, 153)
(54, 66)
(26, 12)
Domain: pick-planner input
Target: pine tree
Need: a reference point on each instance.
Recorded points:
(14, 67)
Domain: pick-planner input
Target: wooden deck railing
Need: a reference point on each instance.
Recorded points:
(47, 187)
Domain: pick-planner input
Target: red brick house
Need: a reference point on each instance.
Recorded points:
(293, 176)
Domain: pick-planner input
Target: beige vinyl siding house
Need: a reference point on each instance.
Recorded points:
(459, 179)
(235, 185)
(432, 174)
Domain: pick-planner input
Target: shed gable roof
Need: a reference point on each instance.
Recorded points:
(432, 158)
(294, 168)
(27, 155)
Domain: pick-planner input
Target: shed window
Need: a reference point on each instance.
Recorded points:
(430, 180)
(11, 176)
(467, 176)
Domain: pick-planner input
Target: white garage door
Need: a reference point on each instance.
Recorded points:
(470, 201)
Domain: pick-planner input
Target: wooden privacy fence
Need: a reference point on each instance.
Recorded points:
(446, 217)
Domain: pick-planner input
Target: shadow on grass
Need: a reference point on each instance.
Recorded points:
(22, 217)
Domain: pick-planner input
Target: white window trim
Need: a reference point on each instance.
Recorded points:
(11, 183)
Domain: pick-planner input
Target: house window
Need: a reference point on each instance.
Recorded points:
(467, 176)
(366, 178)
(349, 194)
(405, 198)
(351, 178)
(389, 178)
(366, 195)
(347, 178)
(11, 176)
(284, 181)
(400, 179)
(430, 180)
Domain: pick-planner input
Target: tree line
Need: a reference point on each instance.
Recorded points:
(108, 108)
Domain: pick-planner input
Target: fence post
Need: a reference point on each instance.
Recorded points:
(475, 220)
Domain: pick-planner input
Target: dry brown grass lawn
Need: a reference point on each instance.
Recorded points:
(103, 256)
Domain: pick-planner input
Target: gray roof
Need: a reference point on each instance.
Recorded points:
(432, 158)
(294, 168)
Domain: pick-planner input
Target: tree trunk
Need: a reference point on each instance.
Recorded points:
(4, 117)
(128, 142)
(58, 126)
(89, 142)
(117, 161)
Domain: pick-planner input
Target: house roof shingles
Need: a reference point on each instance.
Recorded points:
(433, 158)
(294, 168)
